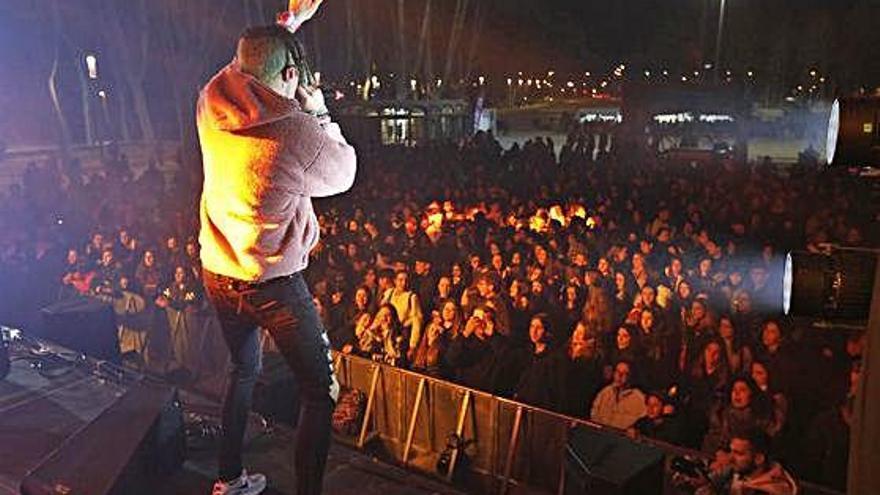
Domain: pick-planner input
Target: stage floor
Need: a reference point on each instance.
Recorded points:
(348, 472)
(270, 451)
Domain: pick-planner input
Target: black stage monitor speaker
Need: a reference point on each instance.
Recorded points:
(604, 463)
(83, 324)
(127, 450)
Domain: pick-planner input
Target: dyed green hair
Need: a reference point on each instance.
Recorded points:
(265, 51)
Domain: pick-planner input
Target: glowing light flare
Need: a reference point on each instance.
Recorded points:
(436, 220)
(537, 223)
(557, 214)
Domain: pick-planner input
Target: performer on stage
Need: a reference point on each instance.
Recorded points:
(269, 146)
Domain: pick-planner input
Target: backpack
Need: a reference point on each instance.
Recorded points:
(349, 412)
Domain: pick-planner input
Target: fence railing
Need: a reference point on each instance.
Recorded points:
(507, 444)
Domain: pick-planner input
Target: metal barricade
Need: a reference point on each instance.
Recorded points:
(410, 417)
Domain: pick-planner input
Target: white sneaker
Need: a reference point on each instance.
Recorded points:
(246, 484)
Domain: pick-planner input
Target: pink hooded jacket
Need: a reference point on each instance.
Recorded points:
(264, 159)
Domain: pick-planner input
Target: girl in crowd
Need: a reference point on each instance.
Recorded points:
(382, 339)
(759, 372)
(536, 384)
(706, 382)
(580, 373)
(745, 406)
(624, 348)
(429, 357)
(739, 355)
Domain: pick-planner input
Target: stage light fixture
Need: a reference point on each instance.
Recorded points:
(854, 133)
(836, 285)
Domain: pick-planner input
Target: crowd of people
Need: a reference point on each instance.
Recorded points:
(636, 293)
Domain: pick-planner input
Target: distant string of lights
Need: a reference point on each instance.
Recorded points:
(523, 86)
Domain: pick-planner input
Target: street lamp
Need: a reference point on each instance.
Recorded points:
(718, 40)
(92, 66)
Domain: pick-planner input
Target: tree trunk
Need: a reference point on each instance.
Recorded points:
(261, 12)
(403, 76)
(704, 28)
(179, 105)
(477, 27)
(84, 101)
(247, 13)
(63, 127)
(429, 59)
(362, 41)
(349, 38)
(123, 115)
(457, 26)
(141, 109)
(423, 38)
(364, 45)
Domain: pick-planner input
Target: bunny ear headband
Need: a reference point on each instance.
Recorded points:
(298, 12)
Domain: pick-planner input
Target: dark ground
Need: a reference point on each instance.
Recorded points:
(269, 450)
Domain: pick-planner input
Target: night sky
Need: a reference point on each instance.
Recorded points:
(781, 40)
(572, 31)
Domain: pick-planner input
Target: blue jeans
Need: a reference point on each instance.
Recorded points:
(285, 308)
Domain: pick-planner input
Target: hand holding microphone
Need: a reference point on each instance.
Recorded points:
(312, 101)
